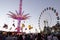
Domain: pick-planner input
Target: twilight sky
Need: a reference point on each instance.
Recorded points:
(33, 7)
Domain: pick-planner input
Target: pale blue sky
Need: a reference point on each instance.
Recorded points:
(33, 7)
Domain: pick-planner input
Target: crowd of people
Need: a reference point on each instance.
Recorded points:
(30, 36)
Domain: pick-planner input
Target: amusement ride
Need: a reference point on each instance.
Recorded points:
(19, 16)
(47, 17)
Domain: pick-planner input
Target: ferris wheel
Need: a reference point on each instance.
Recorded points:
(48, 17)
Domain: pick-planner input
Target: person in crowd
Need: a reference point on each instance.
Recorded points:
(49, 37)
(58, 36)
(4, 35)
(55, 37)
(1, 37)
(23, 37)
(19, 37)
(10, 37)
(45, 36)
(27, 37)
(39, 37)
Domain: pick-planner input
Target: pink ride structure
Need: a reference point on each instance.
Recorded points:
(19, 16)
